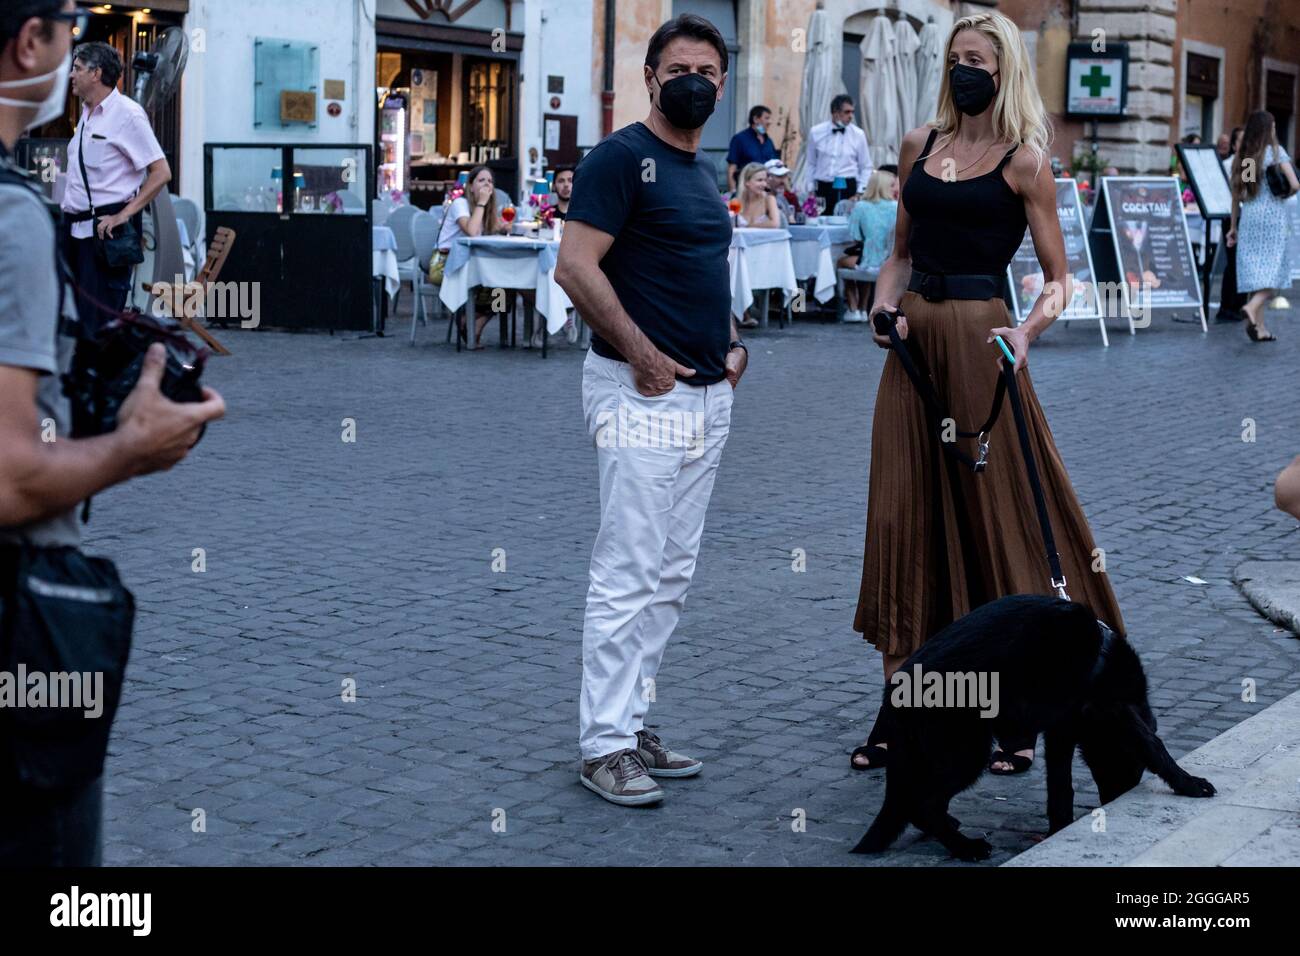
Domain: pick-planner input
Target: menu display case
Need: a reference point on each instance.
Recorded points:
(302, 221)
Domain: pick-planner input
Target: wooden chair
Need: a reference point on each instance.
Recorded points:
(218, 251)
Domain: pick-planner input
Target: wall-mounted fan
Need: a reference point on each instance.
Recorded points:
(157, 78)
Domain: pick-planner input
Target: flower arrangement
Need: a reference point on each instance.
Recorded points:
(331, 203)
(544, 212)
(810, 206)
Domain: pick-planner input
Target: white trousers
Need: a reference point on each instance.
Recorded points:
(657, 458)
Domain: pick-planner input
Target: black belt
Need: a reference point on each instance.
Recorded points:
(112, 209)
(934, 287)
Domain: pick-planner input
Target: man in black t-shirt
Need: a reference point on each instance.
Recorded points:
(644, 259)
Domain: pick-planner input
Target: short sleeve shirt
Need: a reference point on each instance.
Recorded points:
(668, 262)
(29, 336)
(745, 148)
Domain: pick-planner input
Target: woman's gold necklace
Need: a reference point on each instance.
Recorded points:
(976, 160)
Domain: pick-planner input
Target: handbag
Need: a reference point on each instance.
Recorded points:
(437, 266)
(65, 635)
(119, 251)
(1276, 180)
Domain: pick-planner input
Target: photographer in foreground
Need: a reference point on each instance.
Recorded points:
(63, 612)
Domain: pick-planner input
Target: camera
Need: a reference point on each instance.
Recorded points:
(108, 366)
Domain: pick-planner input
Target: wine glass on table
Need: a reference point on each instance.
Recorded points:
(508, 216)
(733, 205)
(820, 204)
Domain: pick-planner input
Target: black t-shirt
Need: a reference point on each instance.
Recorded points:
(668, 262)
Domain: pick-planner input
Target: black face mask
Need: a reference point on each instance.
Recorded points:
(973, 89)
(687, 101)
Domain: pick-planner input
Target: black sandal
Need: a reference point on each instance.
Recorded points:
(1019, 763)
(1255, 335)
(877, 755)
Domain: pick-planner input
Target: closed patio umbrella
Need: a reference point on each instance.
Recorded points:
(822, 81)
(879, 93)
(905, 75)
(929, 72)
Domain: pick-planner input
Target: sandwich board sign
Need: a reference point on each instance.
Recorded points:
(1025, 274)
(1208, 180)
(1140, 242)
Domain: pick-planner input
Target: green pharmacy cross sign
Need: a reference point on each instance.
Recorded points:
(1096, 80)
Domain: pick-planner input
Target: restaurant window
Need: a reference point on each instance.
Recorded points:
(489, 86)
(1279, 99)
(1202, 92)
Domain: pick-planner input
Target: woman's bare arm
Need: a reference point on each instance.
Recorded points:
(896, 271)
(1035, 183)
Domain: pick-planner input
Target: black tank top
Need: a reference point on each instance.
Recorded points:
(968, 227)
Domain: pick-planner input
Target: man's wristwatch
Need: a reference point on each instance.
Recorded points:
(738, 344)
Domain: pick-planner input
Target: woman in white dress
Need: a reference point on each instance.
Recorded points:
(1261, 220)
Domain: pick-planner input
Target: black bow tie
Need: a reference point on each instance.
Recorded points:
(838, 129)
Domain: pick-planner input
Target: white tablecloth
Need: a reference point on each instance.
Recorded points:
(814, 250)
(383, 258)
(759, 259)
(506, 262)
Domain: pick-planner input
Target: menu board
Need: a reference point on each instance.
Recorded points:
(1151, 243)
(1209, 182)
(1026, 275)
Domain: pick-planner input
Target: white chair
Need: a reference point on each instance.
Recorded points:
(351, 201)
(379, 212)
(187, 211)
(399, 220)
(844, 207)
(425, 230)
(850, 275)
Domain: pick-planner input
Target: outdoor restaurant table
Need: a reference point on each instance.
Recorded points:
(505, 262)
(759, 259)
(383, 266)
(811, 248)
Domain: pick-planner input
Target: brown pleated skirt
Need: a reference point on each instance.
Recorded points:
(942, 540)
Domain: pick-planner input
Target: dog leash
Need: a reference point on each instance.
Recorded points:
(937, 414)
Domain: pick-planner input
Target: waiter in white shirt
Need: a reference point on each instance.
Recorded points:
(838, 158)
(126, 170)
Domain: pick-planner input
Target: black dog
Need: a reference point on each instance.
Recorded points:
(1060, 673)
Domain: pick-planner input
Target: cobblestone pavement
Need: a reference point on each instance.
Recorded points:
(373, 561)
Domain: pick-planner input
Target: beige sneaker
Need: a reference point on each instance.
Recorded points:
(662, 762)
(621, 778)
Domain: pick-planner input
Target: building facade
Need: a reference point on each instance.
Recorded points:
(1195, 65)
(437, 86)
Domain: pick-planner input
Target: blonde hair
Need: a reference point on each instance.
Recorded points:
(1018, 114)
(746, 174)
(878, 186)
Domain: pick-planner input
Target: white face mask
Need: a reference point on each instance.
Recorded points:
(51, 108)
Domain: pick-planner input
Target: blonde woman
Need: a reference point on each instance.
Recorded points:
(757, 205)
(942, 540)
(1261, 221)
(871, 227)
